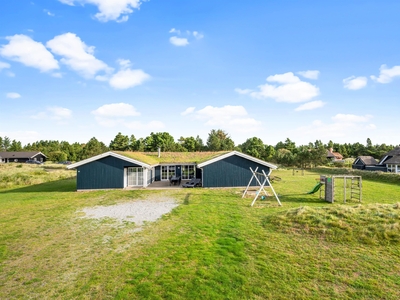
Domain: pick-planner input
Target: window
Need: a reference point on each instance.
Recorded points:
(188, 172)
(167, 172)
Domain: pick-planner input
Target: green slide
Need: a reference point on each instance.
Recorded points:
(316, 188)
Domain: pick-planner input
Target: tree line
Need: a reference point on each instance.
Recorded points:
(285, 153)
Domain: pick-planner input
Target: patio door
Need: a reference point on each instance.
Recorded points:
(188, 172)
(135, 176)
(167, 172)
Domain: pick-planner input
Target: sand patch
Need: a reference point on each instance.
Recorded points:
(137, 212)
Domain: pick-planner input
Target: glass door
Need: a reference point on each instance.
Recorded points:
(135, 176)
(188, 172)
(167, 172)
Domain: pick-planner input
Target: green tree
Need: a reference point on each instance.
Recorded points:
(120, 142)
(132, 143)
(92, 148)
(254, 146)
(6, 143)
(15, 146)
(162, 140)
(219, 140)
(57, 156)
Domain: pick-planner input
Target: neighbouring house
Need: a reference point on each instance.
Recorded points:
(7, 157)
(118, 170)
(365, 163)
(390, 162)
(334, 156)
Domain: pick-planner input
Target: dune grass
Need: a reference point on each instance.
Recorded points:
(21, 174)
(212, 246)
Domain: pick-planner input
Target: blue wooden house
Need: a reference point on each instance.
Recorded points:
(118, 170)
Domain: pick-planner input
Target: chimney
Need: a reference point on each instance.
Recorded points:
(159, 152)
(331, 150)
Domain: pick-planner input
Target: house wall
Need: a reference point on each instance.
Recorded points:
(376, 168)
(105, 173)
(358, 164)
(233, 171)
(39, 157)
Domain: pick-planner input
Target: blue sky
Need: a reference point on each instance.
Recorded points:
(305, 70)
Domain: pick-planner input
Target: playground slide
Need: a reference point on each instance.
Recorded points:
(316, 188)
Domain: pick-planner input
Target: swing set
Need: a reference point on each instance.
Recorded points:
(256, 175)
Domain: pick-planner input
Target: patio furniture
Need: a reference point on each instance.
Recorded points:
(175, 180)
(192, 183)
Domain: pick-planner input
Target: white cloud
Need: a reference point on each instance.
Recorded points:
(177, 41)
(228, 117)
(68, 2)
(183, 41)
(4, 65)
(128, 78)
(116, 110)
(349, 118)
(77, 55)
(173, 30)
(13, 95)
(59, 113)
(343, 126)
(110, 10)
(57, 75)
(48, 13)
(355, 83)
(124, 63)
(188, 111)
(310, 105)
(243, 91)
(116, 114)
(198, 35)
(291, 89)
(23, 49)
(386, 75)
(310, 74)
(285, 78)
(53, 113)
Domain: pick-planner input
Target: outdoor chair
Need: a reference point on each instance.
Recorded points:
(192, 183)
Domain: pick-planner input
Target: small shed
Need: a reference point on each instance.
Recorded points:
(362, 162)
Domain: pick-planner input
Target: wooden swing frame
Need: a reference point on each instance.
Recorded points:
(266, 180)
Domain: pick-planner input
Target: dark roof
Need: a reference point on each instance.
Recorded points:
(393, 160)
(395, 151)
(20, 154)
(368, 160)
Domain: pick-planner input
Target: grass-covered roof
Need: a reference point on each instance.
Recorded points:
(151, 158)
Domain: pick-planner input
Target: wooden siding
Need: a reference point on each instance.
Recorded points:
(233, 171)
(105, 173)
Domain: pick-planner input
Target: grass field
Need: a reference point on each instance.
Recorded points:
(212, 246)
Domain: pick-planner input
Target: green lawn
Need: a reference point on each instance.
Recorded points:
(212, 246)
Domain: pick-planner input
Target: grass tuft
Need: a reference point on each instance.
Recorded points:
(373, 224)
